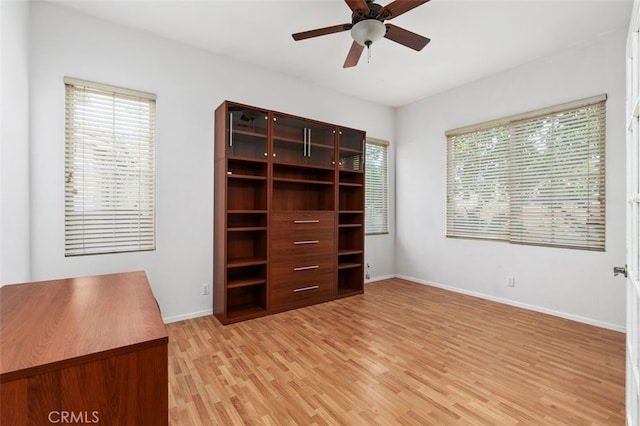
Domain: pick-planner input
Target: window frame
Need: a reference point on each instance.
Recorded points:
(110, 169)
(553, 132)
(385, 182)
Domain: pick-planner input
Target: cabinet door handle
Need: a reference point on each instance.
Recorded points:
(306, 268)
(298, 222)
(304, 142)
(299, 243)
(311, 287)
(230, 129)
(309, 143)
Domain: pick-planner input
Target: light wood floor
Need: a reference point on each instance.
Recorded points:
(402, 353)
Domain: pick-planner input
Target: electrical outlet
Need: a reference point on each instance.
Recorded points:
(367, 275)
(205, 289)
(511, 282)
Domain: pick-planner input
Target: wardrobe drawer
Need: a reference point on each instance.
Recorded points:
(299, 267)
(311, 246)
(287, 224)
(293, 294)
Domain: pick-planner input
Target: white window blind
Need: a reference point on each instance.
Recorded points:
(376, 188)
(109, 169)
(536, 178)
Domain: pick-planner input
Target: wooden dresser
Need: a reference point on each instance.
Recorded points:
(83, 350)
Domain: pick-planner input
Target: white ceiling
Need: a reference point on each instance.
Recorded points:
(470, 39)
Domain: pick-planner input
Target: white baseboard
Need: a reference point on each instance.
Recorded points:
(534, 308)
(190, 315)
(601, 324)
(384, 277)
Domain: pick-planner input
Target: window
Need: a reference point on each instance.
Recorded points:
(537, 178)
(376, 188)
(109, 169)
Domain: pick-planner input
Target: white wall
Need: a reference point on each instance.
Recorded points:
(14, 149)
(189, 85)
(570, 283)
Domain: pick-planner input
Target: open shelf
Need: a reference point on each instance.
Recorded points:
(350, 225)
(244, 219)
(247, 212)
(244, 167)
(350, 259)
(246, 311)
(348, 184)
(246, 194)
(350, 238)
(247, 274)
(349, 265)
(346, 252)
(246, 300)
(350, 281)
(241, 262)
(348, 219)
(246, 245)
(246, 228)
(290, 195)
(245, 282)
(351, 198)
(349, 178)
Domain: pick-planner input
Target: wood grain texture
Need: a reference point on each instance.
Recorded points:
(402, 353)
(301, 274)
(47, 325)
(92, 347)
(13, 401)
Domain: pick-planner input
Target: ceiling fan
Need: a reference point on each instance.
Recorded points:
(367, 26)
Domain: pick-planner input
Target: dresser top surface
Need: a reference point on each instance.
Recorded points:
(51, 322)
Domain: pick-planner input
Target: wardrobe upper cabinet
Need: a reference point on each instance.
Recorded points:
(247, 132)
(300, 141)
(351, 149)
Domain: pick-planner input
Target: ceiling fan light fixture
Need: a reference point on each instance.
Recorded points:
(368, 31)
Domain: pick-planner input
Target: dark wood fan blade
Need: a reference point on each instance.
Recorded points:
(354, 55)
(321, 31)
(406, 37)
(356, 5)
(399, 7)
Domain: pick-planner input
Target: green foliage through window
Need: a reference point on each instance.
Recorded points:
(376, 192)
(538, 179)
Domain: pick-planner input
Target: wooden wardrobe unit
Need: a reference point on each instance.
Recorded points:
(288, 217)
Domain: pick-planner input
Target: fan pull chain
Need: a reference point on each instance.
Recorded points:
(368, 44)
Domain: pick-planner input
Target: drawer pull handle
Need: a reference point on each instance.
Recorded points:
(299, 243)
(305, 268)
(311, 287)
(297, 222)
